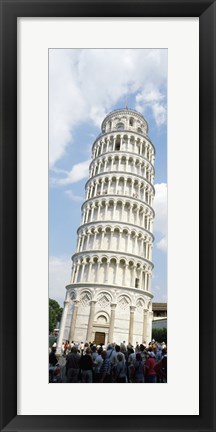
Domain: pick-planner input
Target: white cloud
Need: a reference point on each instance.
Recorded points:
(73, 197)
(152, 98)
(59, 277)
(160, 208)
(78, 172)
(84, 84)
(162, 244)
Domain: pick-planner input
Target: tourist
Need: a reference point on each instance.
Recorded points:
(130, 357)
(115, 354)
(149, 365)
(142, 352)
(120, 374)
(97, 363)
(52, 357)
(86, 365)
(66, 347)
(52, 363)
(73, 366)
(138, 369)
(81, 347)
(105, 376)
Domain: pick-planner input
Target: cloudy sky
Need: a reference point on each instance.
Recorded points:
(84, 86)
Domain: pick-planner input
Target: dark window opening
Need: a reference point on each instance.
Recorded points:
(137, 283)
(117, 147)
(120, 126)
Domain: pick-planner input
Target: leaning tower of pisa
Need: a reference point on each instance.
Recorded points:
(109, 297)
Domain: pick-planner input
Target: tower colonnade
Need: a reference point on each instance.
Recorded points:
(120, 184)
(124, 142)
(111, 270)
(128, 211)
(120, 162)
(109, 297)
(117, 238)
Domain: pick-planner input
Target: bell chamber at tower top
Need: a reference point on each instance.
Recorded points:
(125, 131)
(125, 119)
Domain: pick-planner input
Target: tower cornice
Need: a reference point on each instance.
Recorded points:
(122, 153)
(123, 198)
(120, 174)
(118, 255)
(104, 286)
(123, 225)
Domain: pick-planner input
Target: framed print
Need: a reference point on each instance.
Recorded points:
(29, 30)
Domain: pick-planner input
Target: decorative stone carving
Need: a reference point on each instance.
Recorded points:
(85, 299)
(104, 300)
(123, 302)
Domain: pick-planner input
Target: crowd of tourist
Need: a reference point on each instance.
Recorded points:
(90, 363)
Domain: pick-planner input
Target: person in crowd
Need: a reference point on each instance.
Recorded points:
(138, 369)
(114, 357)
(53, 361)
(111, 353)
(158, 353)
(142, 352)
(81, 348)
(144, 344)
(73, 366)
(66, 347)
(97, 362)
(130, 357)
(123, 347)
(120, 372)
(162, 374)
(149, 366)
(62, 349)
(93, 352)
(86, 345)
(52, 357)
(105, 376)
(86, 365)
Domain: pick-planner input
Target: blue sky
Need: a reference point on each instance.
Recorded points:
(84, 86)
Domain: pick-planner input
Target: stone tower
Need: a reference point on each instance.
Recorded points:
(109, 298)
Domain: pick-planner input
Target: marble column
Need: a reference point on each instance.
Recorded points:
(62, 326)
(77, 273)
(82, 272)
(145, 324)
(73, 321)
(149, 282)
(90, 322)
(131, 324)
(112, 322)
(146, 281)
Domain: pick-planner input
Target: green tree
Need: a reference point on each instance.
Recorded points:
(159, 334)
(55, 313)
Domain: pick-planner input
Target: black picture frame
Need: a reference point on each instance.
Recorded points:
(10, 11)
